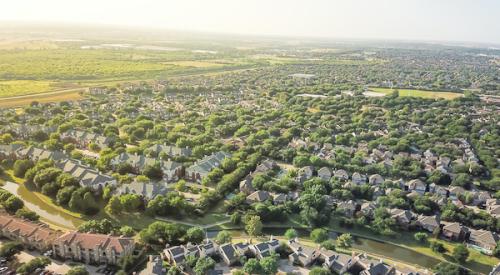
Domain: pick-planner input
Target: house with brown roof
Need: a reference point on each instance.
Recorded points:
(454, 231)
(302, 255)
(33, 235)
(402, 217)
(429, 223)
(92, 248)
(258, 196)
(483, 240)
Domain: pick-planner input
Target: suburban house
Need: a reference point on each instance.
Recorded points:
(483, 240)
(325, 173)
(171, 170)
(148, 190)
(176, 255)
(266, 165)
(347, 207)
(158, 150)
(201, 168)
(228, 254)
(33, 235)
(305, 173)
(456, 191)
(92, 248)
(279, 198)
(493, 207)
(338, 263)
(358, 178)
(302, 255)
(454, 231)
(36, 154)
(265, 249)
(376, 179)
(258, 196)
(371, 267)
(368, 208)
(83, 139)
(154, 266)
(402, 217)
(341, 174)
(246, 185)
(417, 186)
(9, 151)
(87, 176)
(429, 223)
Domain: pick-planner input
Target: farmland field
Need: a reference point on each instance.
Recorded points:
(30, 70)
(24, 87)
(419, 93)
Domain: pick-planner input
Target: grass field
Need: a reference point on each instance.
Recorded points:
(24, 87)
(196, 64)
(419, 93)
(68, 95)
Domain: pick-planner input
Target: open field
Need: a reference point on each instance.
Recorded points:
(419, 93)
(196, 64)
(66, 95)
(23, 87)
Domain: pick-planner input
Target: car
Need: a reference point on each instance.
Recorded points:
(48, 253)
(3, 269)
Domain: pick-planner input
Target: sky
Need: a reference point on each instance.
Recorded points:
(427, 20)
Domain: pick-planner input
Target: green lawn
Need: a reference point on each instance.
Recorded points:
(24, 87)
(419, 93)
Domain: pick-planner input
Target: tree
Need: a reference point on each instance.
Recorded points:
(445, 268)
(291, 234)
(161, 233)
(114, 206)
(130, 202)
(420, 237)
(31, 266)
(127, 231)
(269, 265)
(153, 172)
(103, 226)
(21, 166)
(203, 265)
(460, 253)
(328, 244)
(438, 247)
(344, 240)
(195, 234)
(223, 237)
(126, 263)
(319, 235)
(12, 204)
(252, 266)
(253, 226)
(78, 270)
(64, 195)
(9, 249)
(496, 251)
(27, 214)
(319, 271)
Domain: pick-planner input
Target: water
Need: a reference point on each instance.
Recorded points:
(47, 212)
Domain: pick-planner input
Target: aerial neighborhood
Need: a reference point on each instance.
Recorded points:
(265, 158)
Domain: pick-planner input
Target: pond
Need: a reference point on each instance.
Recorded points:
(47, 212)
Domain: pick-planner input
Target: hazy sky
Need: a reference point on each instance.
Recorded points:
(456, 20)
